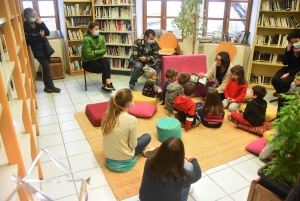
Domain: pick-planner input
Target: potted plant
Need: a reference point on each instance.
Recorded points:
(188, 20)
(280, 175)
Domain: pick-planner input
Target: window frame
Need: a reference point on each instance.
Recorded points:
(226, 18)
(35, 5)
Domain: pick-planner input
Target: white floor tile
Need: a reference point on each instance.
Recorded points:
(238, 160)
(77, 95)
(96, 175)
(93, 92)
(89, 87)
(81, 106)
(104, 193)
(190, 198)
(241, 195)
(100, 98)
(83, 162)
(75, 89)
(49, 140)
(65, 109)
(251, 155)
(45, 99)
(61, 103)
(206, 189)
(216, 169)
(47, 120)
(66, 117)
(229, 180)
(248, 169)
(59, 190)
(227, 198)
(46, 112)
(59, 97)
(69, 125)
(73, 135)
(69, 198)
(78, 147)
(43, 95)
(49, 129)
(57, 151)
(81, 100)
(47, 105)
(133, 198)
(50, 170)
(260, 162)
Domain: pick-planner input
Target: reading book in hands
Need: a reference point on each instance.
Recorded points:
(202, 81)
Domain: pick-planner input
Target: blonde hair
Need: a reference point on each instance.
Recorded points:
(116, 105)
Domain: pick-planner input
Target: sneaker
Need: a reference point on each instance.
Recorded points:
(232, 119)
(110, 87)
(103, 88)
(132, 87)
(47, 90)
(191, 189)
(55, 89)
(149, 152)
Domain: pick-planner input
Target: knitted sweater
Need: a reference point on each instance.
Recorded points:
(236, 91)
(149, 89)
(255, 111)
(173, 90)
(121, 142)
(90, 43)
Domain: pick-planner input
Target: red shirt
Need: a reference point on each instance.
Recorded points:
(186, 106)
(236, 91)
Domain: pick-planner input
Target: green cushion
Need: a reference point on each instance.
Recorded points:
(168, 127)
(120, 166)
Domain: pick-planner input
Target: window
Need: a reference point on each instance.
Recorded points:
(46, 10)
(159, 14)
(227, 15)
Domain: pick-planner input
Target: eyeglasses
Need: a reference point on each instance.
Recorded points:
(218, 60)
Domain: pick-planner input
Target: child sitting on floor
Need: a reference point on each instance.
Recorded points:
(184, 107)
(150, 89)
(172, 76)
(212, 113)
(255, 112)
(174, 90)
(236, 89)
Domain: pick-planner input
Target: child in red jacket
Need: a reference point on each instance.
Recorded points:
(236, 89)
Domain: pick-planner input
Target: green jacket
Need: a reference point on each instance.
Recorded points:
(90, 43)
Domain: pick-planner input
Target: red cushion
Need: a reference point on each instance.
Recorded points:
(144, 110)
(94, 112)
(256, 146)
(258, 130)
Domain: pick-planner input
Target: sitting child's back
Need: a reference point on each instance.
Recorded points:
(255, 111)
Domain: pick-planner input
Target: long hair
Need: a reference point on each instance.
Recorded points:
(239, 71)
(168, 161)
(91, 25)
(225, 58)
(116, 105)
(213, 102)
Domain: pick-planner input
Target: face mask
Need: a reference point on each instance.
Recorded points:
(296, 45)
(132, 104)
(150, 41)
(95, 33)
(32, 19)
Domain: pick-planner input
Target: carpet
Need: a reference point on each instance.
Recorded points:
(211, 147)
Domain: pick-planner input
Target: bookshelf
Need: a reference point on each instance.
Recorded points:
(275, 20)
(18, 122)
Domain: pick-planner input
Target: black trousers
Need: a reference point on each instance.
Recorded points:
(45, 63)
(281, 101)
(282, 85)
(99, 66)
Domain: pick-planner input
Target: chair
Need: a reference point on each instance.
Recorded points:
(85, 85)
(228, 47)
(167, 42)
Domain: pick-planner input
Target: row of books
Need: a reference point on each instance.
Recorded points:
(76, 65)
(287, 5)
(77, 21)
(272, 21)
(122, 38)
(75, 10)
(75, 50)
(112, 2)
(114, 25)
(118, 63)
(118, 50)
(75, 35)
(279, 40)
(259, 79)
(112, 12)
(266, 57)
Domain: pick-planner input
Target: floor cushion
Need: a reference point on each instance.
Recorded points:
(256, 146)
(269, 134)
(168, 127)
(270, 113)
(138, 97)
(143, 110)
(95, 112)
(258, 130)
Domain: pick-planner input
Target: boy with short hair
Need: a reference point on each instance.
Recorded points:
(255, 112)
(175, 89)
(185, 108)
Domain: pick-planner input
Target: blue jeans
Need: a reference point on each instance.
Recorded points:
(45, 63)
(138, 70)
(185, 192)
(142, 142)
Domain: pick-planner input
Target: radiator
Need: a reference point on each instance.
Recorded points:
(241, 57)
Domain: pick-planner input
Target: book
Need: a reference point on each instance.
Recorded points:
(202, 81)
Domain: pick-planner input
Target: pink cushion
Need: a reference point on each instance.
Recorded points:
(143, 110)
(95, 112)
(258, 130)
(194, 63)
(256, 146)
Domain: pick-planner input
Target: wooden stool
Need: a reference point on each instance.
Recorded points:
(57, 70)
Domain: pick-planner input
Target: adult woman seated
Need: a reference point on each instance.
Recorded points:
(284, 77)
(119, 129)
(219, 72)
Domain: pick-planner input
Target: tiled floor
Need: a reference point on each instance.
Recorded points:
(61, 135)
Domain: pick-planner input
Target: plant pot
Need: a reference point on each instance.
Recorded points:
(273, 185)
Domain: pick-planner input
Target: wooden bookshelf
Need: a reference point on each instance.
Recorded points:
(273, 24)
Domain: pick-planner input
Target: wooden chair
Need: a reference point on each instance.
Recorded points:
(228, 47)
(168, 44)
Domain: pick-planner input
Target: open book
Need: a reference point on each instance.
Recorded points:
(202, 81)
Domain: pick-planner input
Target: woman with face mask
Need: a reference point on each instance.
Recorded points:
(35, 33)
(291, 59)
(93, 49)
(120, 142)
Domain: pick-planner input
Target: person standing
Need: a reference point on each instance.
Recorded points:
(144, 51)
(35, 34)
